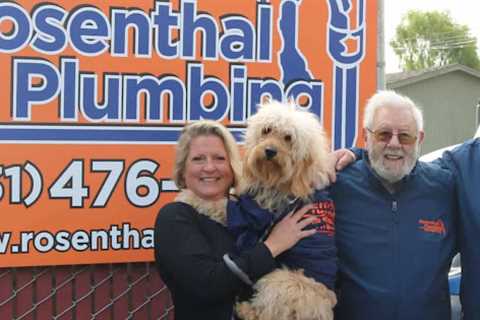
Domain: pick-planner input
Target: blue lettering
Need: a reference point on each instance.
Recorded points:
(238, 90)
(264, 30)
(21, 30)
(312, 91)
(155, 91)
(50, 37)
(175, 34)
(68, 102)
(263, 89)
(127, 98)
(122, 21)
(191, 22)
(108, 110)
(26, 92)
(198, 88)
(89, 31)
(238, 40)
(164, 22)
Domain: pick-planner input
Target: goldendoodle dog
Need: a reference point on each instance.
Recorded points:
(285, 165)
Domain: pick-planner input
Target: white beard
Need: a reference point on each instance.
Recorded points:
(391, 176)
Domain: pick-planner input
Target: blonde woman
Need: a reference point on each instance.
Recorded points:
(193, 249)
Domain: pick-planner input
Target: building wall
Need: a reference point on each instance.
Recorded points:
(449, 104)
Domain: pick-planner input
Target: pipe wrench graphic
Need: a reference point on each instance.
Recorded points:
(341, 37)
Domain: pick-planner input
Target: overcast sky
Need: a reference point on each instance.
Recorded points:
(462, 11)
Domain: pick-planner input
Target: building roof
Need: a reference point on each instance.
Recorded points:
(399, 79)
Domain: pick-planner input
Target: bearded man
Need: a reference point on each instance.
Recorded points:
(395, 223)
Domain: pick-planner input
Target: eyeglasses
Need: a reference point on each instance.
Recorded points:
(385, 136)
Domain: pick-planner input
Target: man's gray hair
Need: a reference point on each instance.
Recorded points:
(390, 99)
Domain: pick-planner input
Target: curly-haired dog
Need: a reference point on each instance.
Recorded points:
(284, 168)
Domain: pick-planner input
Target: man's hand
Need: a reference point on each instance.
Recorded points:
(342, 158)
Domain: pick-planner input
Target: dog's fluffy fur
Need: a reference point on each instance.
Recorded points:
(297, 169)
(300, 164)
(288, 295)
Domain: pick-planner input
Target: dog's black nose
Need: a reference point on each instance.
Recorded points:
(270, 153)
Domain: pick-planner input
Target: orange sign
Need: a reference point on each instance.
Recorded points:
(95, 93)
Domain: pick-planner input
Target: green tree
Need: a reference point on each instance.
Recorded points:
(432, 39)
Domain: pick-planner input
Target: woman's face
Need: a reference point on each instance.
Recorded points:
(207, 170)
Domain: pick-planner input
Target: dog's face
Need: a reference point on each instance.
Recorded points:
(284, 147)
(271, 159)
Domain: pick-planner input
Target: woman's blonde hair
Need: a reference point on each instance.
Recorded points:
(205, 128)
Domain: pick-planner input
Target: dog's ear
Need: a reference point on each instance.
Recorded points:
(320, 170)
(301, 183)
(248, 175)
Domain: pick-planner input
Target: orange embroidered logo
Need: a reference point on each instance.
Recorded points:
(433, 226)
(324, 213)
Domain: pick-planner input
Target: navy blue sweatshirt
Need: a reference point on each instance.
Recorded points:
(249, 223)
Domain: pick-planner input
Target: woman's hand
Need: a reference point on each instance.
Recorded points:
(286, 233)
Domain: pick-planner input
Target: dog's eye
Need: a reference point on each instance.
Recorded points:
(288, 138)
(266, 131)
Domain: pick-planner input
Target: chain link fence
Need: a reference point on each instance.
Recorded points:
(106, 291)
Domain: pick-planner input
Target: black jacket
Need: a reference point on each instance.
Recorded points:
(189, 250)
